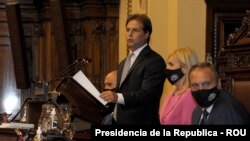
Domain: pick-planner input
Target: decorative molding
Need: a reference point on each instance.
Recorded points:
(219, 35)
(129, 7)
(242, 32)
(137, 6)
(240, 61)
(142, 6)
(98, 31)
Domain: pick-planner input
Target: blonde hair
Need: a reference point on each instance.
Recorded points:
(187, 58)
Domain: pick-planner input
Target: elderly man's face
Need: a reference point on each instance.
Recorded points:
(110, 81)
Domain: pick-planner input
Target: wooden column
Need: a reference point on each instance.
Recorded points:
(16, 32)
(60, 33)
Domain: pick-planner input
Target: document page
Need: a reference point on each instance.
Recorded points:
(81, 78)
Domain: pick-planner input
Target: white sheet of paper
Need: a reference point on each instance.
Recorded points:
(81, 78)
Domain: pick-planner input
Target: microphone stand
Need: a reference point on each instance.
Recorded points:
(76, 64)
(25, 101)
(64, 73)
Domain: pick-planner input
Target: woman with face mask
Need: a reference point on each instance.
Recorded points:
(178, 106)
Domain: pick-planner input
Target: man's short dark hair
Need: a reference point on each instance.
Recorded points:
(205, 65)
(145, 20)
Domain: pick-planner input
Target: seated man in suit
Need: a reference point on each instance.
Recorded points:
(110, 80)
(216, 106)
(110, 84)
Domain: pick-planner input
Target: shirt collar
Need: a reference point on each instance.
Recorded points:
(137, 51)
(208, 109)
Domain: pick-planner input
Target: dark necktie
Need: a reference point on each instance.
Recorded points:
(204, 117)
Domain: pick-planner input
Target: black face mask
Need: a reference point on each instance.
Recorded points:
(174, 75)
(205, 98)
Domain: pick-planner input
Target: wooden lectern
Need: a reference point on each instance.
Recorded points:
(84, 104)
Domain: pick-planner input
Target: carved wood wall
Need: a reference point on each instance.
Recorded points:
(83, 28)
(228, 40)
(222, 17)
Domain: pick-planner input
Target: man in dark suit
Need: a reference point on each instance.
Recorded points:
(139, 89)
(216, 106)
(110, 82)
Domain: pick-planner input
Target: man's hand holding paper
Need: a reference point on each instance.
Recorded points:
(109, 96)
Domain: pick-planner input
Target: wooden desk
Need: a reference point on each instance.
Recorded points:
(82, 135)
(7, 130)
(9, 134)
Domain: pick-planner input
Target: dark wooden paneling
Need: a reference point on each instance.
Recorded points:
(4, 41)
(3, 16)
(240, 90)
(100, 34)
(92, 32)
(18, 46)
(4, 29)
(60, 32)
(219, 14)
(227, 39)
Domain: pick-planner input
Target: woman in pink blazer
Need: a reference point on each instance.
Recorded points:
(179, 104)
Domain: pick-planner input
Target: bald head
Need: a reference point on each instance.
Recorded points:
(110, 80)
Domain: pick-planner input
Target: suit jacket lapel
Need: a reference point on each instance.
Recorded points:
(139, 58)
(198, 117)
(119, 74)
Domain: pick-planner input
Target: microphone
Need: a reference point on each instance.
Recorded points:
(68, 70)
(84, 61)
